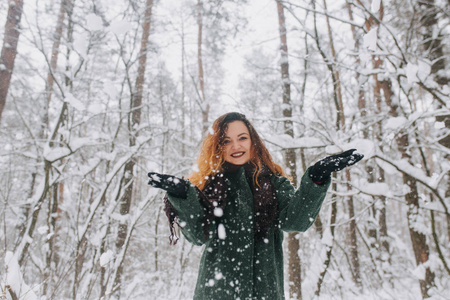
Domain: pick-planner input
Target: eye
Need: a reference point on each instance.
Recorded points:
(226, 142)
(243, 138)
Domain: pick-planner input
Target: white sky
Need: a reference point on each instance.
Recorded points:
(262, 28)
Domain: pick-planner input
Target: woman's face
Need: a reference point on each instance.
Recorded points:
(237, 143)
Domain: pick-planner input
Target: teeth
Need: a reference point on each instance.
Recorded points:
(237, 154)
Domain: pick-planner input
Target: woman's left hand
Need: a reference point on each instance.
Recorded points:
(322, 169)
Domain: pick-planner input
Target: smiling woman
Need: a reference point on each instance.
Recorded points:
(237, 143)
(238, 204)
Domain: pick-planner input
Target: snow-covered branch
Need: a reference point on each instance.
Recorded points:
(109, 178)
(430, 182)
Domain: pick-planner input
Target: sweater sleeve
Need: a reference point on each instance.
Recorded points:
(191, 215)
(298, 209)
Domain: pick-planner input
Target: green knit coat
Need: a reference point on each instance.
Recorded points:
(236, 265)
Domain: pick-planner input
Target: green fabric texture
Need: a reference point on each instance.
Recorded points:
(239, 266)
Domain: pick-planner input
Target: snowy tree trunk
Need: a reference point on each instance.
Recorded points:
(352, 235)
(294, 268)
(433, 39)
(363, 110)
(184, 107)
(53, 63)
(433, 44)
(377, 62)
(340, 124)
(52, 255)
(333, 214)
(201, 76)
(382, 223)
(418, 239)
(133, 124)
(9, 50)
(38, 200)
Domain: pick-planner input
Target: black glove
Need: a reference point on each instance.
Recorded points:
(322, 169)
(174, 186)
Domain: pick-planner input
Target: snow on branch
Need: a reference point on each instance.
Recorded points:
(405, 167)
(109, 177)
(13, 280)
(133, 220)
(57, 153)
(36, 202)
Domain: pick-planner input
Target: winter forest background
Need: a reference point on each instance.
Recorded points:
(101, 92)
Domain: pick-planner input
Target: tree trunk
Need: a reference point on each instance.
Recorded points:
(362, 106)
(53, 64)
(337, 93)
(377, 62)
(382, 223)
(433, 40)
(379, 213)
(434, 47)
(418, 239)
(31, 225)
(327, 261)
(183, 92)
(156, 251)
(9, 49)
(133, 124)
(124, 209)
(201, 77)
(353, 245)
(294, 269)
(340, 125)
(51, 251)
(25, 211)
(52, 255)
(103, 278)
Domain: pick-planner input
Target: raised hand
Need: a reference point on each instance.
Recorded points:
(173, 185)
(322, 169)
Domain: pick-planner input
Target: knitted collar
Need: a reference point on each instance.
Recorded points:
(248, 167)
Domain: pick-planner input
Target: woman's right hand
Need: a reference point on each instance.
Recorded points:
(174, 186)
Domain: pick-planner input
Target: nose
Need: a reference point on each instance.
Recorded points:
(234, 145)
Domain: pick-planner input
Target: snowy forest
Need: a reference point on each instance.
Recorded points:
(96, 94)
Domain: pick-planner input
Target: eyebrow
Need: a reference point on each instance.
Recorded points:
(227, 137)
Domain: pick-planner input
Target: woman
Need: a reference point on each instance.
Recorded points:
(238, 204)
